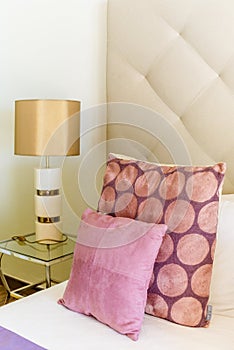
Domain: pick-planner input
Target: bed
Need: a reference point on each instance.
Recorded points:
(170, 82)
(41, 320)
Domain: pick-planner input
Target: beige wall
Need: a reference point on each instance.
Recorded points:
(50, 49)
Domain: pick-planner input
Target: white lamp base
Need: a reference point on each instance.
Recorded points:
(48, 205)
(48, 233)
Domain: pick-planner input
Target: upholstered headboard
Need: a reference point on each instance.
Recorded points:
(171, 70)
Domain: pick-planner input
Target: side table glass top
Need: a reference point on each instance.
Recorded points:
(43, 252)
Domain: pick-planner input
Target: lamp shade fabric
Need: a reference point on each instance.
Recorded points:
(47, 127)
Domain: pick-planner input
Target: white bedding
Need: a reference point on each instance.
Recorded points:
(40, 319)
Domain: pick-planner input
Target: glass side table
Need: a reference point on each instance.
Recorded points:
(43, 254)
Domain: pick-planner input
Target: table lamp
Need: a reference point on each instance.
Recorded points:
(47, 128)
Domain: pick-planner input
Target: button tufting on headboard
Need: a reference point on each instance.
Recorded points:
(175, 57)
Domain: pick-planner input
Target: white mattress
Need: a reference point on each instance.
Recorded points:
(40, 319)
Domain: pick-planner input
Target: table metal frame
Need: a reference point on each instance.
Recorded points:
(48, 262)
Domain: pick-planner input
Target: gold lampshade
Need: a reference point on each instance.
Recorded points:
(47, 127)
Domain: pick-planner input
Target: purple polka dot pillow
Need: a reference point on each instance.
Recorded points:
(186, 199)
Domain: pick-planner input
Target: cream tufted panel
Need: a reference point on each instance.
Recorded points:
(176, 58)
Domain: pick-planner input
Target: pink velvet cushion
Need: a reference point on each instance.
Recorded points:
(186, 199)
(112, 265)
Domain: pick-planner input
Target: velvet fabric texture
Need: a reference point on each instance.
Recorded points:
(186, 199)
(112, 266)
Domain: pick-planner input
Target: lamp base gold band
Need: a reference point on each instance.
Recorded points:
(48, 220)
(47, 192)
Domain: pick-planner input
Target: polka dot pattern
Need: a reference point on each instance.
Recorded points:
(179, 216)
(151, 209)
(108, 198)
(156, 306)
(206, 217)
(172, 280)
(187, 311)
(199, 280)
(167, 191)
(200, 188)
(125, 178)
(186, 199)
(166, 249)
(147, 183)
(111, 175)
(192, 249)
(126, 205)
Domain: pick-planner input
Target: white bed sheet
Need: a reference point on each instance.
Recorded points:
(40, 319)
